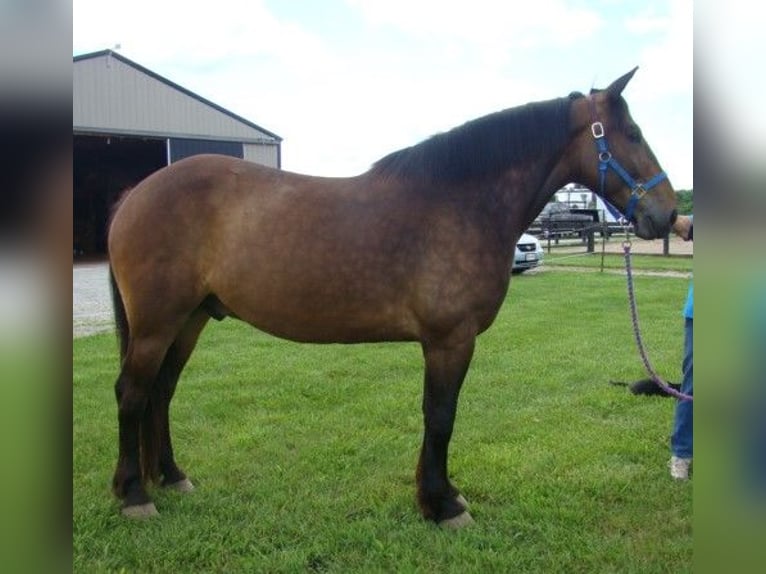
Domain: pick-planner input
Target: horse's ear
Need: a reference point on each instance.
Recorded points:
(616, 88)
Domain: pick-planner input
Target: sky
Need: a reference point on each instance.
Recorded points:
(345, 82)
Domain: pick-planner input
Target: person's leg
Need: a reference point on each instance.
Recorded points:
(681, 441)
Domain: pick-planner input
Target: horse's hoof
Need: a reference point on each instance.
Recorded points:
(462, 501)
(456, 522)
(140, 511)
(183, 485)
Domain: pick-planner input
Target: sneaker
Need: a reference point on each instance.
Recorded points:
(679, 467)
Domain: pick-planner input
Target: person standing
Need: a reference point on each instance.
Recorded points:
(682, 439)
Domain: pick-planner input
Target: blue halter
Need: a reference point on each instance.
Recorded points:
(606, 160)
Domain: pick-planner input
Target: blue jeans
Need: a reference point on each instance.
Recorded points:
(682, 440)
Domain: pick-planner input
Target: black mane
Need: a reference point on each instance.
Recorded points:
(483, 147)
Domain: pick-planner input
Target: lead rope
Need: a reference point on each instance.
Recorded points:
(637, 331)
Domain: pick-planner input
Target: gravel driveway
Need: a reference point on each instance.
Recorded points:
(91, 299)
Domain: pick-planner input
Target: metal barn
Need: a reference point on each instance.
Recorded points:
(128, 122)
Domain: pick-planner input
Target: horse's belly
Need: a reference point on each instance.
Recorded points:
(334, 324)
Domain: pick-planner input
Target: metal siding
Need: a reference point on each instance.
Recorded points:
(263, 154)
(111, 96)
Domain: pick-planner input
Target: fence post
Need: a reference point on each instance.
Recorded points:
(666, 245)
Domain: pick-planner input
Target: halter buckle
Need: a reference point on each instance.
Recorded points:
(597, 129)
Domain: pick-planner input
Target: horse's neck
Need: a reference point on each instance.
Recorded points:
(542, 194)
(525, 196)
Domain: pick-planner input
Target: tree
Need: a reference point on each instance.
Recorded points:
(685, 200)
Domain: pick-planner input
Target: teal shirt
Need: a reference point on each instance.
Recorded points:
(689, 306)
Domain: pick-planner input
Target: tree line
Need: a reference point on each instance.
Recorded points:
(685, 201)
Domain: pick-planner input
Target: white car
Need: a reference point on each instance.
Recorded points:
(529, 253)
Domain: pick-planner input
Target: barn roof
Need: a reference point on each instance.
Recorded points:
(138, 100)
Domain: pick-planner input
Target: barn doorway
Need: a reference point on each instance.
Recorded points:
(104, 166)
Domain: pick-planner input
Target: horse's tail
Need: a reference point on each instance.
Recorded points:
(149, 425)
(120, 317)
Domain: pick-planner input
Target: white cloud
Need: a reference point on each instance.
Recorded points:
(661, 95)
(409, 69)
(669, 60)
(490, 23)
(170, 31)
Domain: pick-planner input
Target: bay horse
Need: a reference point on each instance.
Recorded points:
(418, 248)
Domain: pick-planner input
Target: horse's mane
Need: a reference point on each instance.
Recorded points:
(483, 147)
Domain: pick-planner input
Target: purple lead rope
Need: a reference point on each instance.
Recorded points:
(642, 351)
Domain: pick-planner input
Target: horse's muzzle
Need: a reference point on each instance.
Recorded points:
(653, 225)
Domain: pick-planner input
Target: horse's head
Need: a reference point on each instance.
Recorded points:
(615, 161)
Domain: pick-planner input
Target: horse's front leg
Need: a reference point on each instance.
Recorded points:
(446, 367)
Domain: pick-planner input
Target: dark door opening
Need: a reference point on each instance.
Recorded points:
(103, 168)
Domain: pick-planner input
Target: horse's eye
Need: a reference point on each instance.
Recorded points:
(634, 134)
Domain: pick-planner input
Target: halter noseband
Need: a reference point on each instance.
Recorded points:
(606, 160)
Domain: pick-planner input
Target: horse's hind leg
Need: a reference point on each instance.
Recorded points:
(167, 379)
(144, 389)
(139, 369)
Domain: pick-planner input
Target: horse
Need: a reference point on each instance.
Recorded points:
(418, 248)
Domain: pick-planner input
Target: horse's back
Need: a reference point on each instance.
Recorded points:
(179, 187)
(178, 207)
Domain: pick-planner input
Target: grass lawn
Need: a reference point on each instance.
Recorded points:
(304, 455)
(616, 261)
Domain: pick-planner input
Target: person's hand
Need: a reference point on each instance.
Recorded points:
(683, 227)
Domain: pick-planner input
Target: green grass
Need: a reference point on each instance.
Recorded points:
(678, 263)
(304, 455)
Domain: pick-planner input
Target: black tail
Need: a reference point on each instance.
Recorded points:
(149, 427)
(120, 318)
